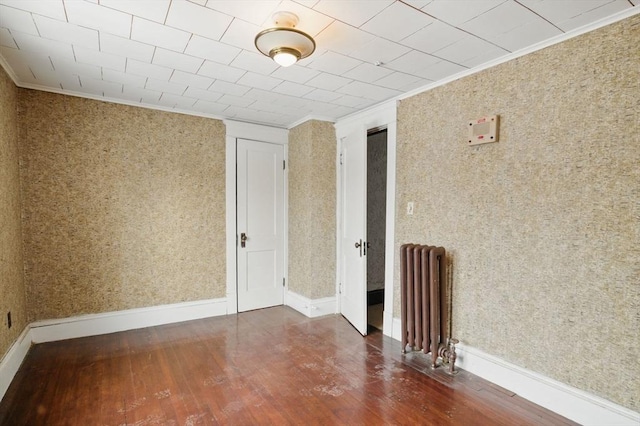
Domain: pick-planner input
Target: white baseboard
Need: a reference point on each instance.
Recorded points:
(12, 360)
(572, 403)
(308, 307)
(95, 324)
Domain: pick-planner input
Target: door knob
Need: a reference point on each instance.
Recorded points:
(243, 240)
(359, 246)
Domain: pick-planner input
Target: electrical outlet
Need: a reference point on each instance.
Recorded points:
(9, 319)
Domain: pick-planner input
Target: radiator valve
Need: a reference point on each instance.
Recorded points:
(448, 355)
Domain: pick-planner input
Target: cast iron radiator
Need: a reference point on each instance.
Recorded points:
(425, 310)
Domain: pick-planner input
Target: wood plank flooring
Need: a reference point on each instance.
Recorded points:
(267, 367)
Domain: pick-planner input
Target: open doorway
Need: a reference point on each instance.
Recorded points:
(376, 225)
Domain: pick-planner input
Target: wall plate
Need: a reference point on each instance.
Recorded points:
(483, 130)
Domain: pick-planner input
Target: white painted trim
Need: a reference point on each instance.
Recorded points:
(240, 130)
(568, 401)
(311, 308)
(104, 323)
(112, 322)
(309, 118)
(12, 360)
(381, 116)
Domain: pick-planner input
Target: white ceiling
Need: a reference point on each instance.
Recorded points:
(198, 56)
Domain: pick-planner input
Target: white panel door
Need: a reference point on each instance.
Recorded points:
(260, 233)
(353, 296)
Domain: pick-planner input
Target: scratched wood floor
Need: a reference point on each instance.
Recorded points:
(271, 366)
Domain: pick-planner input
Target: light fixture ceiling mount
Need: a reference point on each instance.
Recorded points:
(283, 43)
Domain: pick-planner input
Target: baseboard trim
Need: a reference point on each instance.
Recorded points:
(112, 322)
(572, 403)
(12, 360)
(311, 308)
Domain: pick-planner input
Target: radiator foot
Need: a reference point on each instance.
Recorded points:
(448, 355)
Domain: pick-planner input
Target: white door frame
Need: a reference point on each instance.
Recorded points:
(239, 130)
(382, 116)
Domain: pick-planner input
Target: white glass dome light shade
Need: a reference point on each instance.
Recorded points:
(284, 56)
(284, 43)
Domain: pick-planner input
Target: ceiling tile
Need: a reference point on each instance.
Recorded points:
(42, 46)
(55, 79)
(334, 63)
(101, 18)
(66, 33)
(434, 37)
(328, 82)
(322, 95)
(295, 73)
(17, 20)
(51, 8)
(342, 38)
(125, 47)
(22, 62)
(413, 62)
(196, 19)
(293, 89)
(154, 10)
(499, 20)
(418, 4)
(148, 70)
(212, 50)
(220, 71)
(369, 91)
(258, 80)
(307, 3)
(191, 80)
(254, 62)
(470, 50)
(170, 59)
(133, 92)
(397, 22)
(526, 35)
(94, 57)
(562, 10)
(380, 50)
(6, 39)
(398, 80)
(159, 35)
(165, 86)
(235, 100)
(209, 107)
(440, 70)
(123, 77)
(174, 101)
(595, 14)
(367, 73)
(100, 87)
(256, 12)
(241, 34)
(228, 88)
(459, 11)
(352, 101)
(66, 66)
(353, 13)
(207, 95)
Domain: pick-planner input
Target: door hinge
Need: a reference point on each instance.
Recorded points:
(284, 164)
(341, 154)
(340, 288)
(283, 282)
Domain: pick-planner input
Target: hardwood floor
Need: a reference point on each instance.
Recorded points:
(271, 366)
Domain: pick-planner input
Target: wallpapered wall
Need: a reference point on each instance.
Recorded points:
(12, 294)
(123, 207)
(312, 209)
(543, 227)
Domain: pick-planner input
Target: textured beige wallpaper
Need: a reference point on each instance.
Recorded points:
(12, 291)
(543, 227)
(123, 207)
(312, 209)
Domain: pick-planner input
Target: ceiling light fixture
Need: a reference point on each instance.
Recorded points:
(284, 43)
